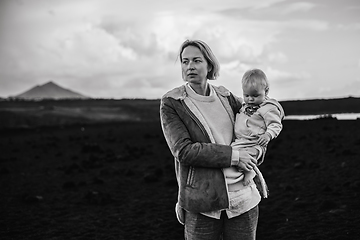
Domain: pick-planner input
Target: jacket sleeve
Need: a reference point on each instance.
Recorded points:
(186, 150)
(236, 103)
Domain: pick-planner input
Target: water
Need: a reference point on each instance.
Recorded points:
(338, 116)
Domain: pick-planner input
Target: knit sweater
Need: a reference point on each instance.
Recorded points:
(222, 131)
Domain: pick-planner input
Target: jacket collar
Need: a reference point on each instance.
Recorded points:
(179, 93)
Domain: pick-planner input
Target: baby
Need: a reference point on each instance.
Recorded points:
(258, 121)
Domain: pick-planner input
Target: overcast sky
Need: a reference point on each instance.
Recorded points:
(128, 49)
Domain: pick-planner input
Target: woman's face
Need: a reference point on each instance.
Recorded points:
(194, 65)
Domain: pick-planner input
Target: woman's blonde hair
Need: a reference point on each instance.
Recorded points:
(208, 54)
(255, 78)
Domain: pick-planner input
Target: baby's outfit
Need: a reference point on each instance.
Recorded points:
(252, 121)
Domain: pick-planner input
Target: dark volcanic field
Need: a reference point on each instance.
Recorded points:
(117, 181)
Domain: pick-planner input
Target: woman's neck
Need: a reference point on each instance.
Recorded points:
(201, 89)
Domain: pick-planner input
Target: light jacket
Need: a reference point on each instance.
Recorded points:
(272, 114)
(266, 119)
(198, 162)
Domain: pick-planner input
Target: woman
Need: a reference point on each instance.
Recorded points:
(197, 120)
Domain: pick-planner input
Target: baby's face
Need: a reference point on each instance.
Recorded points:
(254, 95)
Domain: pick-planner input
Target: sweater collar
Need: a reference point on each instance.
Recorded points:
(194, 95)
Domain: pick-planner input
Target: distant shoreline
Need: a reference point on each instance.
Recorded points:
(337, 116)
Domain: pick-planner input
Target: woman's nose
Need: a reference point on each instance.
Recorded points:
(191, 66)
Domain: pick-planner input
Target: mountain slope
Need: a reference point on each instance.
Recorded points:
(50, 90)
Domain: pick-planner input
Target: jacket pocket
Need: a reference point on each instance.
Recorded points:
(190, 177)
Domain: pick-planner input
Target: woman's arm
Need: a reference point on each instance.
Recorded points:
(183, 148)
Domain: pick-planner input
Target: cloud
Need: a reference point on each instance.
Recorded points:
(277, 57)
(314, 25)
(349, 27)
(285, 77)
(298, 7)
(351, 88)
(93, 37)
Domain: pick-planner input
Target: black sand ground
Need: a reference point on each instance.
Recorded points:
(116, 181)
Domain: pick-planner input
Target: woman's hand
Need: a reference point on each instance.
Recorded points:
(247, 160)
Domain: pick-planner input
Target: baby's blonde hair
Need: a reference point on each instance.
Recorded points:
(255, 78)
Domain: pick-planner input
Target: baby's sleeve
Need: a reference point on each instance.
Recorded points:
(273, 121)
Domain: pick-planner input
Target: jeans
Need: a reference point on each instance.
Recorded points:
(200, 227)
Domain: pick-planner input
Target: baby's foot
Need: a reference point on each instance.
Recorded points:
(248, 176)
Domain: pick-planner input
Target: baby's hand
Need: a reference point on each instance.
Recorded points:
(264, 139)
